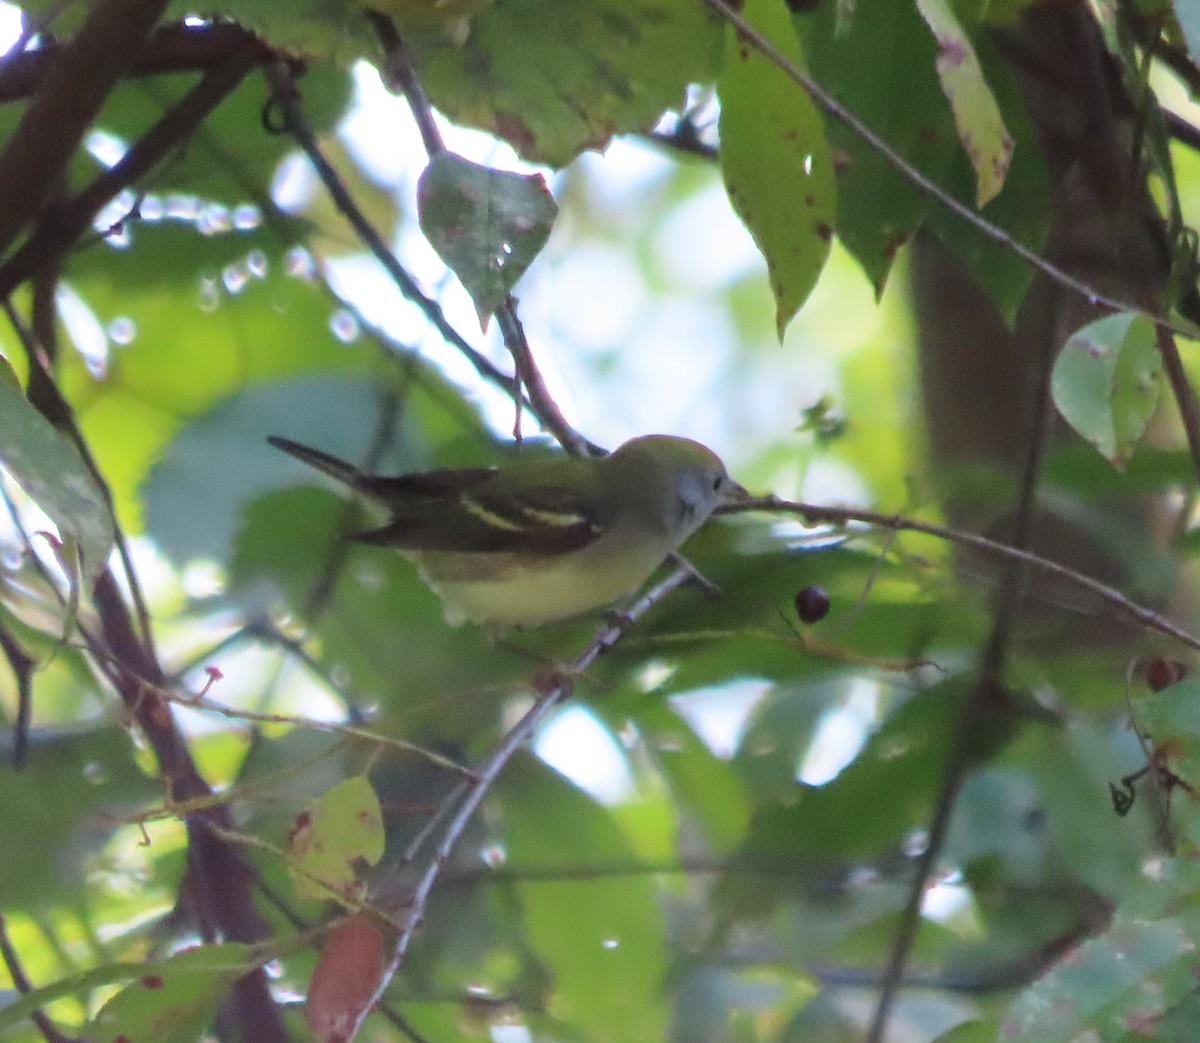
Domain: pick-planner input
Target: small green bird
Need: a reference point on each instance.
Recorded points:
(541, 540)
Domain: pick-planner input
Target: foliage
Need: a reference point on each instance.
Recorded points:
(238, 760)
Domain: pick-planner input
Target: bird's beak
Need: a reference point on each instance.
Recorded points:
(735, 493)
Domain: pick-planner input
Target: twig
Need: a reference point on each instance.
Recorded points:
(208, 705)
(1145, 617)
(21, 664)
(543, 404)
(1185, 394)
(401, 75)
(68, 100)
(494, 764)
(60, 227)
(171, 48)
(12, 961)
(287, 101)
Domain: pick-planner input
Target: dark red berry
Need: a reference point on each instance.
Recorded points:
(812, 604)
(1163, 672)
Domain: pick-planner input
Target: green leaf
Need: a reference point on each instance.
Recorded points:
(1106, 382)
(63, 810)
(977, 116)
(775, 160)
(971, 1032)
(12, 1014)
(1022, 209)
(604, 938)
(880, 54)
(556, 81)
(175, 1000)
(341, 830)
(49, 468)
(1123, 979)
(193, 498)
(487, 225)
(1171, 720)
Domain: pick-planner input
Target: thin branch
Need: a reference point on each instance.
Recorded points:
(1145, 617)
(68, 100)
(924, 185)
(171, 48)
(12, 961)
(62, 226)
(286, 99)
(543, 405)
(205, 703)
(489, 771)
(400, 76)
(1182, 130)
(1185, 394)
(685, 139)
(985, 704)
(22, 664)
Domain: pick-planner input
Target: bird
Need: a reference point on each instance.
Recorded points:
(539, 541)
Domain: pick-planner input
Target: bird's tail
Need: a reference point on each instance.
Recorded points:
(342, 470)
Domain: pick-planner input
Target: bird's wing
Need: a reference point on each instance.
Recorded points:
(403, 491)
(486, 516)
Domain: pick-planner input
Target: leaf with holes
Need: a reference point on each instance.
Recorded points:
(1106, 382)
(775, 160)
(487, 225)
(341, 831)
(49, 468)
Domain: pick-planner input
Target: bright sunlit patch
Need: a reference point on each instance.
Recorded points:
(385, 157)
(702, 245)
(599, 321)
(951, 903)
(107, 148)
(294, 184)
(719, 714)
(841, 734)
(203, 578)
(627, 167)
(510, 1034)
(85, 330)
(10, 26)
(581, 748)
(655, 674)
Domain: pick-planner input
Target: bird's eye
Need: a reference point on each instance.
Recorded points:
(718, 481)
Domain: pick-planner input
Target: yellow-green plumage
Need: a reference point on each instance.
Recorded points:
(542, 540)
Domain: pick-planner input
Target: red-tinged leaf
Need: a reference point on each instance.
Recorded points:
(329, 843)
(980, 125)
(344, 980)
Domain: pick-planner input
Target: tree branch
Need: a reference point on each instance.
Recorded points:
(1139, 614)
(551, 695)
(12, 962)
(171, 48)
(60, 227)
(70, 96)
